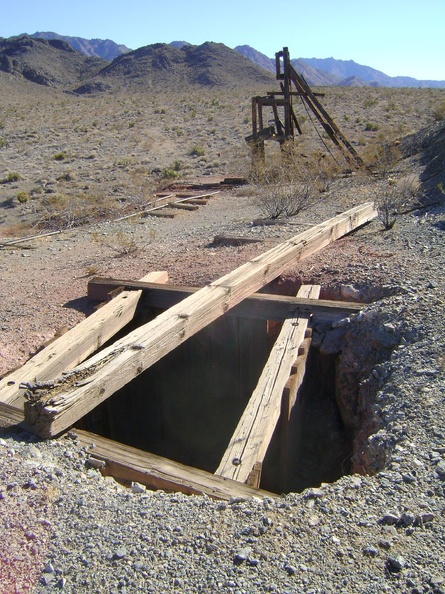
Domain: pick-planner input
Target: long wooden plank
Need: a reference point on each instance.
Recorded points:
(155, 472)
(52, 410)
(262, 306)
(131, 464)
(254, 431)
(288, 401)
(77, 344)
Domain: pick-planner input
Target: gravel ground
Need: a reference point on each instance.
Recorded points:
(381, 529)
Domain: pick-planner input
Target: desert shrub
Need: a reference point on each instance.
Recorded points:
(169, 173)
(13, 176)
(197, 151)
(370, 127)
(3, 142)
(393, 196)
(439, 112)
(285, 189)
(22, 197)
(382, 157)
(61, 156)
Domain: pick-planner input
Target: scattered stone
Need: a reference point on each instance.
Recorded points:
(395, 563)
(137, 488)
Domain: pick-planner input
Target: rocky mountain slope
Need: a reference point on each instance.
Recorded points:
(99, 48)
(53, 62)
(330, 71)
(50, 62)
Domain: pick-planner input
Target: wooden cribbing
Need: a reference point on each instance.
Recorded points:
(254, 431)
(127, 464)
(155, 472)
(52, 410)
(260, 306)
(77, 344)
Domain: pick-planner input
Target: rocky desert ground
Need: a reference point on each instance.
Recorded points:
(73, 165)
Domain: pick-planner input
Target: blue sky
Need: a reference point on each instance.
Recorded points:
(398, 37)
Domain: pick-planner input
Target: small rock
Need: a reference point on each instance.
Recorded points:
(407, 519)
(120, 553)
(350, 293)
(48, 568)
(440, 469)
(395, 563)
(241, 555)
(137, 488)
(313, 521)
(389, 519)
(370, 551)
(95, 463)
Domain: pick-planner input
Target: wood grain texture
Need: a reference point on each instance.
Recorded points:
(102, 375)
(77, 344)
(249, 443)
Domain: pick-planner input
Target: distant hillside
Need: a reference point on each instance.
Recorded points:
(100, 48)
(256, 57)
(209, 64)
(329, 71)
(46, 62)
(314, 77)
(345, 69)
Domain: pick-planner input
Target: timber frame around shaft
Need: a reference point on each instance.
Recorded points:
(293, 85)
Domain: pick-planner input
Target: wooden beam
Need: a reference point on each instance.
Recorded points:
(77, 344)
(262, 306)
(155, 472)
(55, 408)
(289, 398)
(126, 463)
(183, 205)
(254, 431)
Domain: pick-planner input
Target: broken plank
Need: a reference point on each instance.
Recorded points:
(155, 472)
(182, 205)
(224, 240)
(197, 201)
(51, 411)
(76, 345)
(159, 213)
(251, 438)
(262, 306)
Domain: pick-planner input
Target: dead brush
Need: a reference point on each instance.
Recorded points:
(292, 185)
(394, 197)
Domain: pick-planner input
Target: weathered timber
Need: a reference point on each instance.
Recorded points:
(77, 344)
(289, 398)
(53, 410)
(11, 417)
(197, 201)
(159, 213)
(234, 241)
(183, 206)
(254, 431)
(131, 464)
(262, 306)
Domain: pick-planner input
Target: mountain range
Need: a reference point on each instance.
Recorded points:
(85, 66)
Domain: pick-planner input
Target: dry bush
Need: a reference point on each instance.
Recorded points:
(394, 196)
(292, 183)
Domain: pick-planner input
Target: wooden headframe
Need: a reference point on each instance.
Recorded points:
(292, 85)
